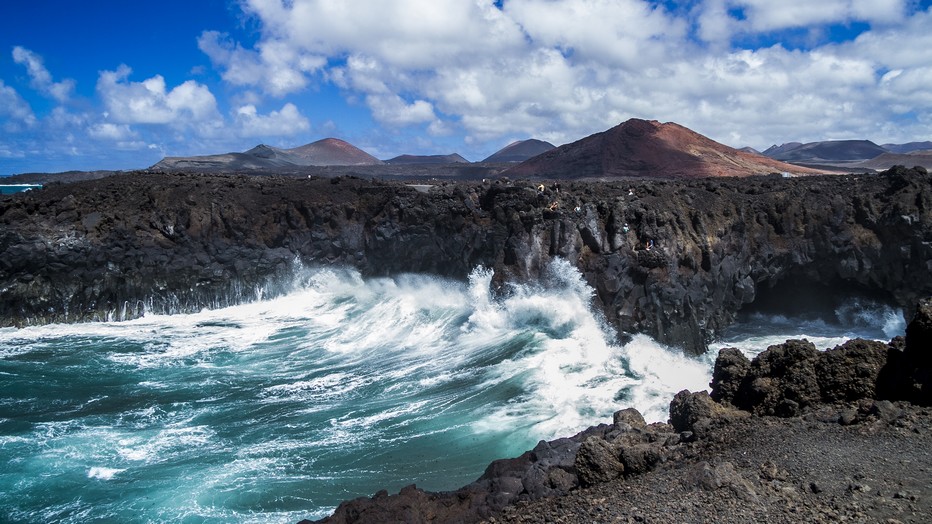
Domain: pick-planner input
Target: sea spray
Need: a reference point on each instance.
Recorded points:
(333, 386)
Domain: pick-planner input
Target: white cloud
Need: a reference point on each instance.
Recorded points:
(275, 67)
(150, 102)
(110, 131)
(561, 69)
(615, 33)
(15, 112)
(767, 15)
(392, 109)
(412, 34)
(40, 77)
(285, 122)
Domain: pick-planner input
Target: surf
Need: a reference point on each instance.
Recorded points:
(334, 386)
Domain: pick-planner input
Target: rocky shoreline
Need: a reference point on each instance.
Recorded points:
(672, 259)
(796, 435)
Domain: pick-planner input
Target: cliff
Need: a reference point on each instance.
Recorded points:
(676, 260)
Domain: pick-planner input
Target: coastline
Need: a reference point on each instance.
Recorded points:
(794, 434)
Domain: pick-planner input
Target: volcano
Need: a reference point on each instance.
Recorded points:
(326, 152)
(649, 149)
(520, 151)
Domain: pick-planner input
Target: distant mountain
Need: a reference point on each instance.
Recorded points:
(749, 149)
(333, 152)
(908, 147)
(63, 177)
(827, 152)
(887, 160)
(453, 158)
(775, 150)
(641, 148)
(326, 152)
(520, 151)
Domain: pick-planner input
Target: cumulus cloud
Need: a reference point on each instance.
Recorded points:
(110, 131)
(151, 102)
(40, 77)
(561, 69)
(766, 15)
(15, 113)
(411, 34)
(615, 33)
(275, 67)
(285, 122)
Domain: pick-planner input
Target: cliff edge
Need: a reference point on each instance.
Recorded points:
(673, 259)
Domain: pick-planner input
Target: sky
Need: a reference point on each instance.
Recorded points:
(111, 84)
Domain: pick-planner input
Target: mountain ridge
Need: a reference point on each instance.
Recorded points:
(452, 158)
(324, 152)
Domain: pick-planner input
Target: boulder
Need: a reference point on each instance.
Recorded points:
(597, 462)
(851, 371)
(731, 366)
(781, 381)
(698, 413)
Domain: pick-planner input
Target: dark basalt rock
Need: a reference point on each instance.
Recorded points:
(113, 247)
(789, 377)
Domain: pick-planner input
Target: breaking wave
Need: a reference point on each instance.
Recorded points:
(278, 409)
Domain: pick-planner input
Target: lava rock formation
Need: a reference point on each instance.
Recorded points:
(673, 259)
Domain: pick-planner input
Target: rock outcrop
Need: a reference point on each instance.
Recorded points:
(675, 260)
(787, 378)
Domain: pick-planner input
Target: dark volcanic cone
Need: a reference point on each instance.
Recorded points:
(332, 152)
(520, 151)
(648, 149)
(453, 158)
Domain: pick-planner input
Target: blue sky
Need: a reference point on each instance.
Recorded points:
(119, 85)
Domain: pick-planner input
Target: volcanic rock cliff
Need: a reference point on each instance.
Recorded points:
(675, 260)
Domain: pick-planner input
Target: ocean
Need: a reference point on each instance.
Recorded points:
(9, 189)
(277, 409)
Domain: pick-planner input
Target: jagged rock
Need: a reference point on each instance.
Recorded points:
(731, 366)
(919, 336)
(787, 378)
(851, 370)
(597, 462)
(628, 418)
(697, 413)
(781, 380)
(640, 458)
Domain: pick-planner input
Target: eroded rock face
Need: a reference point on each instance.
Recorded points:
(675, 260)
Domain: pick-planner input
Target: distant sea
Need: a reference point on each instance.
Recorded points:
(277, 409)
(9, 189)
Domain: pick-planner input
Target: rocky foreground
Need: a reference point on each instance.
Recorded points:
(676, 260)
(796, 435)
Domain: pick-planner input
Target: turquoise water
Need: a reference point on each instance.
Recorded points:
(9, 189)
(277, 410)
